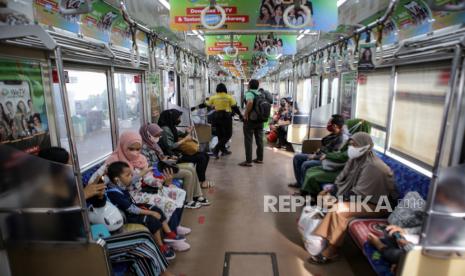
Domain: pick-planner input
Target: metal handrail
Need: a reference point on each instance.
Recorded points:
(381, 20)
(43, 210)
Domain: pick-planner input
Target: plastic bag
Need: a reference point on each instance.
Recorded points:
(214, 142)
(309, 220)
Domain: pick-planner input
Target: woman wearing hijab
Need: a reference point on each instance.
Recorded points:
(169, 199)
(151, 134)
(172, 138)
(364, 175)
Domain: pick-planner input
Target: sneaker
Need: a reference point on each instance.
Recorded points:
(192, 205)
(245, 164)
(184, 231)
(258, 161)
(168, 252)
(174, 239)
(180, 246)
(294, 185)
(202, 201)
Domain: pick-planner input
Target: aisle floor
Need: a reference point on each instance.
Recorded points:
(236, 222)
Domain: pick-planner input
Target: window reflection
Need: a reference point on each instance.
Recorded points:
(88, 103)
(418, 109)
(128, 88)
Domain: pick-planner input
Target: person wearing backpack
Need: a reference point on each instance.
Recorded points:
(256, 113)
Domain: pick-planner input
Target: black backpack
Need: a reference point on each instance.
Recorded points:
(261, 108)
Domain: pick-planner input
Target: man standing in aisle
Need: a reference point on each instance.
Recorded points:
(257, 111)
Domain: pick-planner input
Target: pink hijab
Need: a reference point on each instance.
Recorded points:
(135, 160)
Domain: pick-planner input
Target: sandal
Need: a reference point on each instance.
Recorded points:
(318, 260)
(294, 185)
(209, 184)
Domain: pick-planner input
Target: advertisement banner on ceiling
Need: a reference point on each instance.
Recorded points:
(251, 45)
(23, 117)
(250, 15)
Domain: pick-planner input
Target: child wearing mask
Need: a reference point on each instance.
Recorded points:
(121, 177)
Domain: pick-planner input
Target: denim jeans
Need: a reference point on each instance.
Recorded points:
(301, 165)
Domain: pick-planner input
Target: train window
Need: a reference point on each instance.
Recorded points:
(335, 93)
(373, 96)
(128, 89)
(88, 101)
(418, 110)
(282, 89)
(303, 96)
(324, 93)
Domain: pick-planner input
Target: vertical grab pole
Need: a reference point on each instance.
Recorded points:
(72, 145)
(445, 117)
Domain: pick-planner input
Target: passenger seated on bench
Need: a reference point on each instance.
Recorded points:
(332, 162)
(284, 119)
(60, 155)
(333, 142)
(172, 139)
(121, 177)
(169, 198)
(404, 232)
(365, 175)
(151, 134)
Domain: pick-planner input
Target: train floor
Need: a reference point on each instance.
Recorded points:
(234, 236)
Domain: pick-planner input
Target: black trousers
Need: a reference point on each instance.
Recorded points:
(252, 129)
(150, 222)
(223, 125)
(282, 136)
(200, 159)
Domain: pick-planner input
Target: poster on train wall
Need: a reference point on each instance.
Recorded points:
(348, 89)
(121, 36)
(249, 15)
(47, 12)
(154, 89)
(121, 33)
(23, 116)
(416, 17)
(98, 23)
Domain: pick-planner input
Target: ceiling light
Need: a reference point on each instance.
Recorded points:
(300, 37)
(195, 32)
(165, 4)
(201, 37)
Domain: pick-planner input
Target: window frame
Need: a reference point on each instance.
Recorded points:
(109, 72)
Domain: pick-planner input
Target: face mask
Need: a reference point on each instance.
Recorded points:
(330, 127)
(132, 154)
(354, 152)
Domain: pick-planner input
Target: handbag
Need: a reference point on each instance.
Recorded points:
(331, 166)
(190, 147)
(167, 164)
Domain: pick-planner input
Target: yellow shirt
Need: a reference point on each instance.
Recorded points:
(221, 102)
